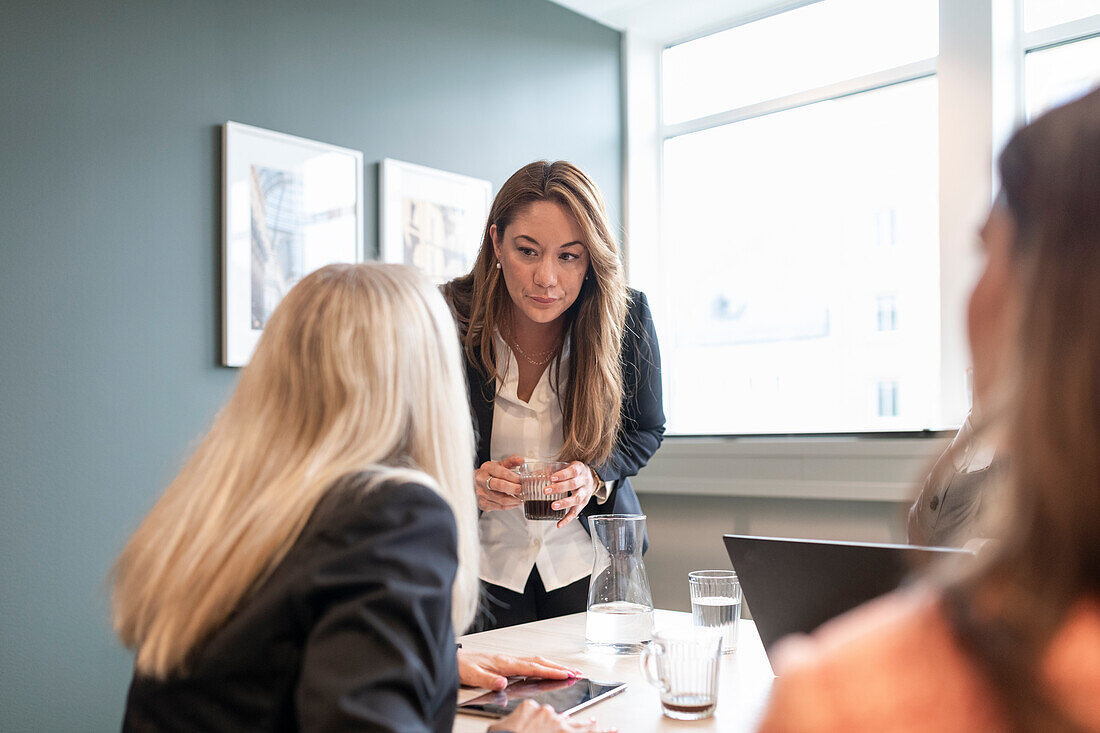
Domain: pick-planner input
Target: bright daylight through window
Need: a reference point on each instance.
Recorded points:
(1056, 74)
(800, 223)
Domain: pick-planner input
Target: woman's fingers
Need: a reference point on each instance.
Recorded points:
(496, 487)
(494, 476)
(494, 500)
(487, 504)
(573, 471)
(572, 514)
(574, 477)
(579, 495)
(489, 500)
(539, 667)
(506, 665)
(560, 487)
(572, 504)
(550, 663)
(480, 677)
(530, 717)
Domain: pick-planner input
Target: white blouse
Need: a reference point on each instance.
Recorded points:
(511, 544)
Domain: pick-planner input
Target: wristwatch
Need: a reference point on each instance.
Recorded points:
(600, 483)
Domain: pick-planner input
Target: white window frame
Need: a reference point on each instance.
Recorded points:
(1055, 35)
(980, 78)
(1042, 39)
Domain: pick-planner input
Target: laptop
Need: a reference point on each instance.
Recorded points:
(793, 585)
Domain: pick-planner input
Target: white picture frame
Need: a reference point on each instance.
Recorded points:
(431, 219)
(289, 206)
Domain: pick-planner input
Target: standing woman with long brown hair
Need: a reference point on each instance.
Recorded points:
(562, 364)
(1012, 644)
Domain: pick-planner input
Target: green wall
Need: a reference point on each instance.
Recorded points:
(109, 275)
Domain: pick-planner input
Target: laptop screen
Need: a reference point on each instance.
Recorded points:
(793, 586)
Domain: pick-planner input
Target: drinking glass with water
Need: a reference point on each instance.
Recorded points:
(716, 603)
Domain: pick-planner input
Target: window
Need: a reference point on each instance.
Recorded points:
(807, 48)
(1061, 42)
(1039, 14)
(887, 399)
(798, 185)
(803, 194)
(887, 313)
(886, 228)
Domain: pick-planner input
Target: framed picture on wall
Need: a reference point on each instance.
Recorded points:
(290, 205)
(431, 219)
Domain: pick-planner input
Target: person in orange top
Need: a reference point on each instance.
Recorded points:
(1011, 643)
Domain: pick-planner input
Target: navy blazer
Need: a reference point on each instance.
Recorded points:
(351, 632)
(643, 419)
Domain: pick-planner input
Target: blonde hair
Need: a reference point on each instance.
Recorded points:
(591, 403)
(358, 369)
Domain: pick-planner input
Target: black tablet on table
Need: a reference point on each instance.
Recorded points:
(565, 696)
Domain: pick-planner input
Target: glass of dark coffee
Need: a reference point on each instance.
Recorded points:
(534, 478)
(687, 662)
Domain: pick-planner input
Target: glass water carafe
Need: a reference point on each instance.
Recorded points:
(620, 607)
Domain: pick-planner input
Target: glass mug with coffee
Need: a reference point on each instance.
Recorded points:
(686, 662)
(534, 478)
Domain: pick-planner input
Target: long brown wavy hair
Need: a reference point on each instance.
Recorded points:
(1006, 612)
(591, 401)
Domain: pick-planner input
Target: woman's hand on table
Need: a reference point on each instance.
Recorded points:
(497, 485)
(530, 717)
(576, 478)
(492, 671)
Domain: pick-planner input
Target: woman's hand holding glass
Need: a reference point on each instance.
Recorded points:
(577, 479)
(497, 485)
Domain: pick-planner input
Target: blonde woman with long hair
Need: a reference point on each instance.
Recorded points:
(308, 567)
(562, 364)
(1013, 642)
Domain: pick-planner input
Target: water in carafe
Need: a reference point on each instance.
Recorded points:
(620, 606)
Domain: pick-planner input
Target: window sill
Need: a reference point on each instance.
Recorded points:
(842, 468)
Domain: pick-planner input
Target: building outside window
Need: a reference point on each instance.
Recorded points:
(887, 399)
(886, 313)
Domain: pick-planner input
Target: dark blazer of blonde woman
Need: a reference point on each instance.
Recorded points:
(351, 632)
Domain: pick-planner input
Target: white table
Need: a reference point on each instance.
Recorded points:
(743, 682)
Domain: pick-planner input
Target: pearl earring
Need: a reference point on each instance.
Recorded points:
(498, 265)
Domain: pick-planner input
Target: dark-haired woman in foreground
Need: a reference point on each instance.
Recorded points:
(308, 567)
(1013, 645)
